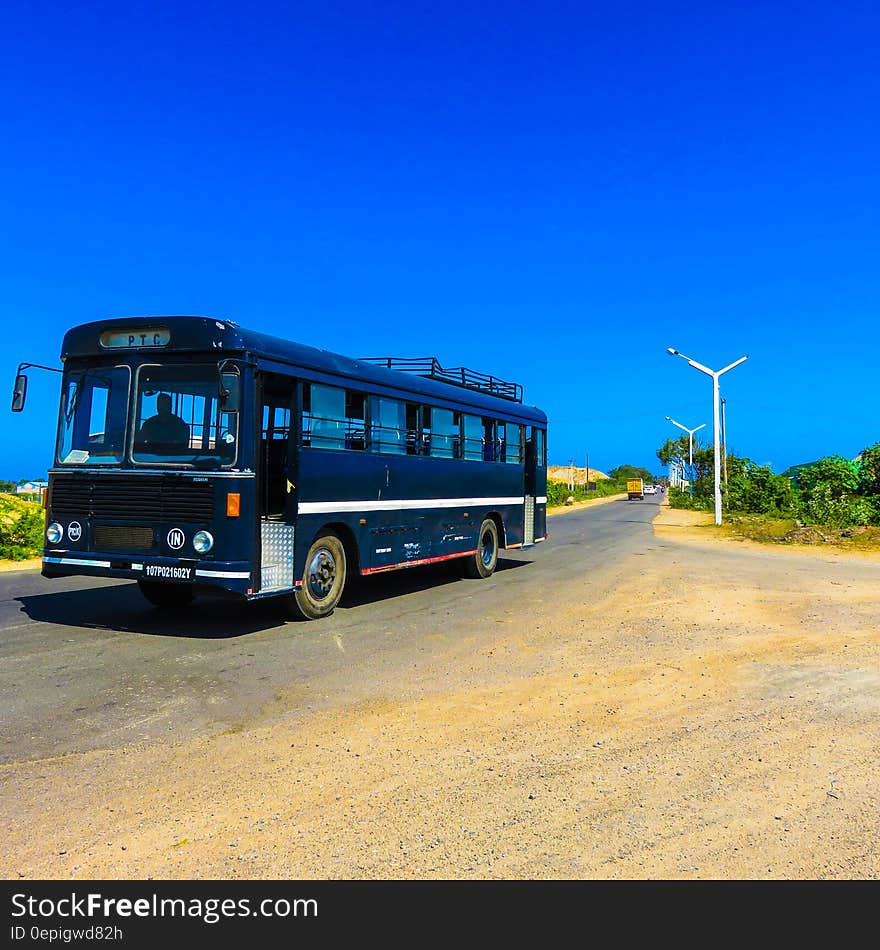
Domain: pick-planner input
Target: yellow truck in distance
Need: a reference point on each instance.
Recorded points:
(635, 488)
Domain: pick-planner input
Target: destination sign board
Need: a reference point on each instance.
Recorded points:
(129, 339)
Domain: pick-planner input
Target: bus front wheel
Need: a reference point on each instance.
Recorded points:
(168, 596)
(482, 562)
(323, 579)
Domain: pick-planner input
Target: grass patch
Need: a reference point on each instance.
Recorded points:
(758, 527)
(769, 529)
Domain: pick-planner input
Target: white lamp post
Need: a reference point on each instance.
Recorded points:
(715, 414)
(690, 433)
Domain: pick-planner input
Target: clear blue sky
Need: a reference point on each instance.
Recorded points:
(551, 192)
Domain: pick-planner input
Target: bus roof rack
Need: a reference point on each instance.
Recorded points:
(430, 368)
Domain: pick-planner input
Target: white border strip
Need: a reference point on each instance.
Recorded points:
(79, 562)
(241, 574)
(541, 500)
(402, 504)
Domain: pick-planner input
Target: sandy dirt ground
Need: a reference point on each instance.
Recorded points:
(30, 564)
(707, 710)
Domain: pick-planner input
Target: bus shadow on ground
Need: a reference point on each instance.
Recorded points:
(121, 608)
(380, 587)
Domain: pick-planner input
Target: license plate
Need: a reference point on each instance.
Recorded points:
(177, 573)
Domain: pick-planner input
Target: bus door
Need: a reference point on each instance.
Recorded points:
(276, 481)
(533, 460)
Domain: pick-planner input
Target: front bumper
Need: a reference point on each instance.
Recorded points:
(234, 576)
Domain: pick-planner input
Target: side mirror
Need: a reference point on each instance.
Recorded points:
(19, 393)
(230, 391)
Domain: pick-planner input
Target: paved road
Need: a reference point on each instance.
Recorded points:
(87, 664)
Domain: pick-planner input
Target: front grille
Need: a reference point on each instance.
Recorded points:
(123, 537)
(133, 498)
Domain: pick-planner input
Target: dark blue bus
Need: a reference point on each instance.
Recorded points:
(194, 454)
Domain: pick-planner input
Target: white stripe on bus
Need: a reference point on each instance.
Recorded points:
(402, 504)
(243, 574)
(79, 562)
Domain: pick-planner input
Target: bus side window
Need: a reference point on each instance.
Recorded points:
(387, 426)
(513, 445)
(324, 423)
(472, 437)
(540, 447)
(444, 429)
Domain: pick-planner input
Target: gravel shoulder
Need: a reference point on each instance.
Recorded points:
(30, 564)
(703, 709)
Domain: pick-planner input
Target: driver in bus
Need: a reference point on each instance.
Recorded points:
(164, 427)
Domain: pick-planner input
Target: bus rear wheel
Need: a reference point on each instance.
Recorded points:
(167, 596)
(323, 579)
(482, 562)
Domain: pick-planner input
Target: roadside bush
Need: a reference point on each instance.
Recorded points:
(869, 472)
(829, 493)
(756, 490)
(21, 529)
(822, 506)
(681, 498)
(557, 492)
(832, 476)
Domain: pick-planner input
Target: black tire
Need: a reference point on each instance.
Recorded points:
(323, 579)
(482, 563)
(167, 596)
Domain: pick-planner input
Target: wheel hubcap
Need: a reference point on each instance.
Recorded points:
(322, 574)
(487, 548)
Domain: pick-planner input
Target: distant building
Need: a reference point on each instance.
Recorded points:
(33, 490)
(676, 475)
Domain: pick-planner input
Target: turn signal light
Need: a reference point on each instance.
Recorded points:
(233, 504)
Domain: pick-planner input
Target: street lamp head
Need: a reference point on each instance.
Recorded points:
(671, 352)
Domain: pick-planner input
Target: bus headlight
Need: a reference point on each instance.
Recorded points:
(203, 541)
(54, 533)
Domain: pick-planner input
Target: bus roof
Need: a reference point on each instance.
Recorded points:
(206, 334)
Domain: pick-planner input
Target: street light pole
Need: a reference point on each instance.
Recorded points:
(716, 415)
(690, 433)
(723, 441)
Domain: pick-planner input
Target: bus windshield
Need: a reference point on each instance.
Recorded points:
(179, 420)
(94, 405)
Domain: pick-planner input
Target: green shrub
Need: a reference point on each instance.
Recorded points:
(756, 490)
(681, 498)
(869, 471)
(21, 528)
(822, 506)
(832, 476)
(558, 492)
